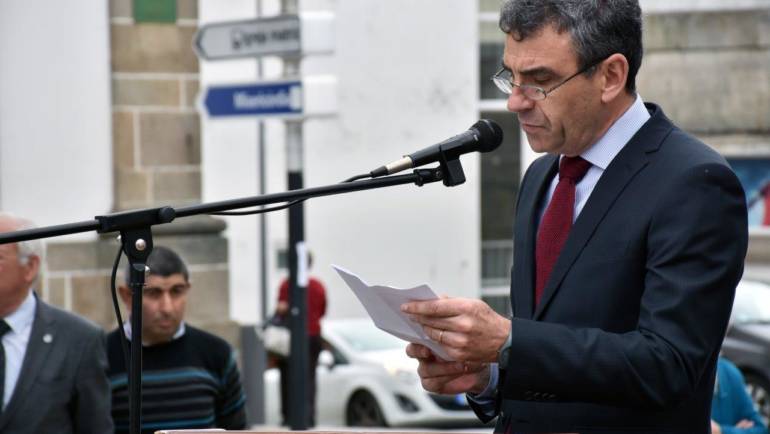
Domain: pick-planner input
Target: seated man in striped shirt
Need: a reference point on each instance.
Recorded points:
(189, 377)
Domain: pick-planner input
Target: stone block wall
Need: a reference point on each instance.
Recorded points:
(710, 71)
(155, 125)
(78, 278)
(156, 161)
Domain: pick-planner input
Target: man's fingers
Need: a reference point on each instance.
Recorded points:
(441, 323)
(441, 369)
(420, 352)
(443, 307)
(450, 384)
(440, 335)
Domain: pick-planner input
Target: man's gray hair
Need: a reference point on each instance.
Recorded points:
(28, 248)
(599, 28)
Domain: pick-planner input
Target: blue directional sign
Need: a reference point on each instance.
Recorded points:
(269, 99)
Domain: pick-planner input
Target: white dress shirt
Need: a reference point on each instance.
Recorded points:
(15, 343)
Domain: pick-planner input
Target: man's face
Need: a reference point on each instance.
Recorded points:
(15, 278)
(164, 300)
(567, 120)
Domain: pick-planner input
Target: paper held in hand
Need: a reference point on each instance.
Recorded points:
(383, 303)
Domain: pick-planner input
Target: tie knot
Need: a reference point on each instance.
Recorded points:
(573, 168)
(4, 327)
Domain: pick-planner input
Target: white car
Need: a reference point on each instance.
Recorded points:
(365, 379)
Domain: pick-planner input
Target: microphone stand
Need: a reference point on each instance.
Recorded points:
(135, 227)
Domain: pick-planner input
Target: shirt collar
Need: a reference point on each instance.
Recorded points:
(24, 315)
(179, 332)
(612, 142)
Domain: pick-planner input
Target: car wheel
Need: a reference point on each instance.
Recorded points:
(363, 410)
(759, 389)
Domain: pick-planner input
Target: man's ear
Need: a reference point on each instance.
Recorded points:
(125, 295)
(614, 72)
(31, 268)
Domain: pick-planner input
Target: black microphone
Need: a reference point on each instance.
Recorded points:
(483, 136)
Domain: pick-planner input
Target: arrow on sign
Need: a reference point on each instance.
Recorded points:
(259, 37)
(281, 99)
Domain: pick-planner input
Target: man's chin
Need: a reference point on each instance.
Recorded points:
(537, 145)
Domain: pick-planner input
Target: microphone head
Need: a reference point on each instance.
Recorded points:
(490, 134)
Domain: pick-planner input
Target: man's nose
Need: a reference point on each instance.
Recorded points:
(517, 102)
(165, 302)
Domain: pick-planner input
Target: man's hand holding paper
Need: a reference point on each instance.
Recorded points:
(468, 329)
(454, 339)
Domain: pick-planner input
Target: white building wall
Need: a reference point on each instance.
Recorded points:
(55, 122)
(407, 78)
(703, 5)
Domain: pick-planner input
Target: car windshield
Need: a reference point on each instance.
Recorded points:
(366, 337)
(752, 303)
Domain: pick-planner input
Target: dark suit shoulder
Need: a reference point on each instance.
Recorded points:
(689, 150)
(672, 143)
(72, 322)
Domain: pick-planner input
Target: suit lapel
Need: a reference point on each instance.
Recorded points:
(523, 292)
(38, 348)
(631, 159)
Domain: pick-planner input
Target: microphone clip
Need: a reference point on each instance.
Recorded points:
(427, 176)
(451, 169)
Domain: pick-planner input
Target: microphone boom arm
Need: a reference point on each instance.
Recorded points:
(135, 227)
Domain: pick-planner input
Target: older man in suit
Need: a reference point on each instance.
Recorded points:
(629, 241)
(52, 363)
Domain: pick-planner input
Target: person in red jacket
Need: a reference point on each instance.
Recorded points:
(316, 308)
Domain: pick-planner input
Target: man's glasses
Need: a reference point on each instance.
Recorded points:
(503, 79)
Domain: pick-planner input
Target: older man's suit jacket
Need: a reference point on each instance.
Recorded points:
(62, 387)
(626, 336)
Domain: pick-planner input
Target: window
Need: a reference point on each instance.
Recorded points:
(500, 170)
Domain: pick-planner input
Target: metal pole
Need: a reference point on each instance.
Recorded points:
(298, 358)
(135, 371)
(262, 187)
(259, 364)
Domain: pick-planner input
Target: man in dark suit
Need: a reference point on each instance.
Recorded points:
(53, 365)
(629, 240)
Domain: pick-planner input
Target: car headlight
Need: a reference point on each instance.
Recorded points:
(406, 376)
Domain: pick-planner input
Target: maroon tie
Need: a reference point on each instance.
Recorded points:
(557, 220)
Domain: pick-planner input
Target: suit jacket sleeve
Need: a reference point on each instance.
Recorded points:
(692, 258)
(92, 403)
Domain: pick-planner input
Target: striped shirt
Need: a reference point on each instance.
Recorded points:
(189, 382)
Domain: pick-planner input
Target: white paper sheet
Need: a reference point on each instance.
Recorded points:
(383, 303)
